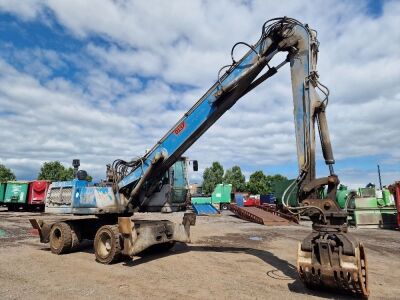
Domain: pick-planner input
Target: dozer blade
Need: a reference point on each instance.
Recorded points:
(328, 267)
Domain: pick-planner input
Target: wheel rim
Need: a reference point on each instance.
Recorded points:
(57, 238)
(104, 246)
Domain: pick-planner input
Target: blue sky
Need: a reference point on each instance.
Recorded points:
(106, 82)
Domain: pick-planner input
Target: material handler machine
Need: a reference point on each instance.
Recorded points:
(329, 257)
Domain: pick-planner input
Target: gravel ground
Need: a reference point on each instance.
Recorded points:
(228, 259)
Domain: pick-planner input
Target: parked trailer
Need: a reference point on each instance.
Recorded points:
(37, 194)
(261, 215)
(27, 195)
(221, 197)
(16, 195)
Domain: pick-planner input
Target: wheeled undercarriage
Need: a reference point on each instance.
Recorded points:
(113, 238)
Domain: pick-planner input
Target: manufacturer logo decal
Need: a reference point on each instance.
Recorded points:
(179, 128)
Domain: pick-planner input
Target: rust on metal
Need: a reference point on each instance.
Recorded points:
(272, 209)
(125, 225)
(346, 273)
(258, 215)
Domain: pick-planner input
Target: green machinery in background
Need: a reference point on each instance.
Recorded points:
(15, 194)
(2, 191)
(341, 195)
(368, 207)
(221, 196)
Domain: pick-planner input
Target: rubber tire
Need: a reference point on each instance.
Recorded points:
(103, 255)
(224, 206)
(60, 238)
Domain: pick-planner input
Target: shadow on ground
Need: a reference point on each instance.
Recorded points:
(282, 269)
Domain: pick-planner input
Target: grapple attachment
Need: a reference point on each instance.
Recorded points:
(329, 257)
(333, 261)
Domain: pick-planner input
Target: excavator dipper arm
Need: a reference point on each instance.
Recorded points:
(329, 257)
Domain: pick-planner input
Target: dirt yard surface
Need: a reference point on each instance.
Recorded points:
(228, 259)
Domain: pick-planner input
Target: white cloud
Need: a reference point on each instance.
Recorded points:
(108, 112)
(127, 62)
(24, 9)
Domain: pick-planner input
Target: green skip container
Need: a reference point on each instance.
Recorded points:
(222, 193)
(2, 191)
(16, 192)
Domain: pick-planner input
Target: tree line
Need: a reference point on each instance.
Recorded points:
(52, 170)
(258, 183)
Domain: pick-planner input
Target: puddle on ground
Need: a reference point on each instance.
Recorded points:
(255, 238)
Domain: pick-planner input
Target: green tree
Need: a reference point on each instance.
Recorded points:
(55, 171)
(67, 174)
(236, 178)
(212, 176)
(258, 183)
(6, 174)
